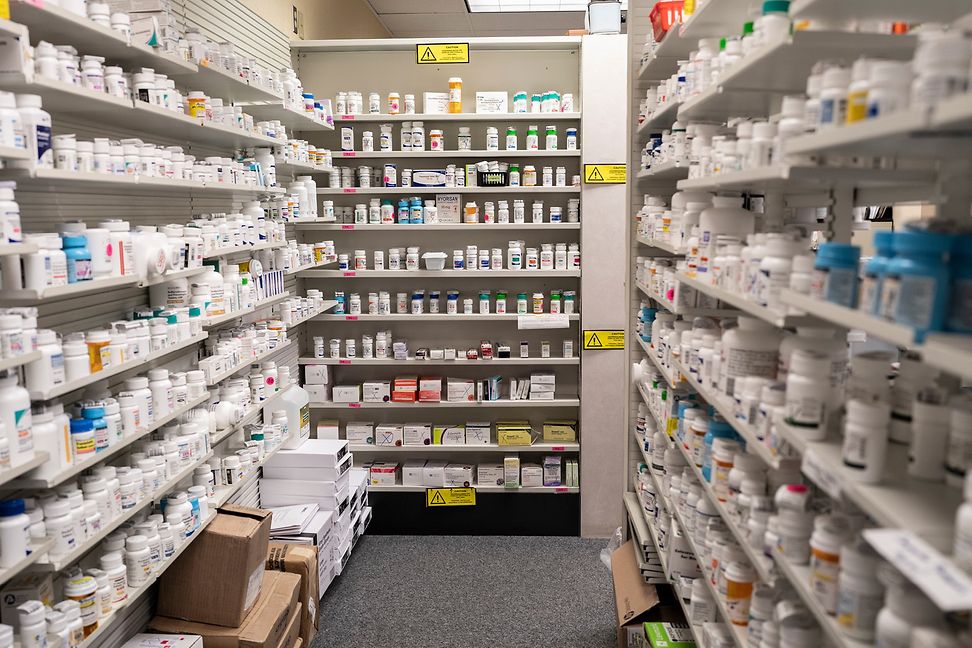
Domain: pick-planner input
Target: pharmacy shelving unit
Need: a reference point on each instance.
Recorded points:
(919, 155)
(327, 67)
(49, 197)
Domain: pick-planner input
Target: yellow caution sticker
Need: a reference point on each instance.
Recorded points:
(441, 53)
(5, 9)
(601, 340)
(605, 173)
(450, 497)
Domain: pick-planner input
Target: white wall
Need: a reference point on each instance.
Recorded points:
(604, 225)
(321, 19)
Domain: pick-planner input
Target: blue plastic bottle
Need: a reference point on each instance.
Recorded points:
(97, 417)
(915, 287)
(960, 305)
(718, 428)
(835, 273)
(415, 209)
(78, 258)
(403, 212)
(874, 271)
(646, 317)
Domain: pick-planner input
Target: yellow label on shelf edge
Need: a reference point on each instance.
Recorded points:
(597, 340)
(605, 173)
(450, 497)
(441, 53)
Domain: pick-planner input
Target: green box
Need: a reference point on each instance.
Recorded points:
(664, 634)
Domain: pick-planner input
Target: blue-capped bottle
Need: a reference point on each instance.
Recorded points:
(415, 212)
(915, 289)
(874, 271)
(403, 211)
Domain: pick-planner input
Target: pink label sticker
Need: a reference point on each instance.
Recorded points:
(562, 489)
(347, 227)
(349, 273)
(349, 153)
(347, 117)
(350, 318)
(354, 405)
(558, 449)
(344, 362)
(350, 190)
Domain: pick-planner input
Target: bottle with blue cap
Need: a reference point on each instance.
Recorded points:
(100, 426)
(82, 439)
(14, 532)
(874, 271)
(78, 258)
(835, 274)
(960, 306)
(915, 289)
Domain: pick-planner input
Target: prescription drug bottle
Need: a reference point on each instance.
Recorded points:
(455, 95)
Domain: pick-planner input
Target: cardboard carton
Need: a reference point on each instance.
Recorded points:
(636, 601)
(217, 579)
(163, 641)
(300, 560)
(665, 634)
(273, 622)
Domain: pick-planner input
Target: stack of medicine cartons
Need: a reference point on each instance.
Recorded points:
(220, 589)
(319, 471)
(317, 383)
(306, 524)
(154, 22)
(542, 386)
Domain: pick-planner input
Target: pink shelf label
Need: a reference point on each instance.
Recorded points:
(558, 449)
(349, 273)
(354, 405)
(347, 227)
(347, 117)
(350, 190)
(349, 153)
(344, 362)
(351, 318)
(562, 489)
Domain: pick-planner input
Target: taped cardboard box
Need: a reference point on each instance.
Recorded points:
(301, 560)
(274, 621)
(637, 602)
(217, 579)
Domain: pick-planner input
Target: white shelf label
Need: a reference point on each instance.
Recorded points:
(940, 579)
(821, 474)
(547, 321)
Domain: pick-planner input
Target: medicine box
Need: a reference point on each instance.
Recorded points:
(384, 474)
(448, 208)
(514, 433)
(346, 393)
(430, 389)
(552, 471)
(328, 429)
(428, 178)
(554, 431)
(312, 453)
(433, 474)
(318, 393)
(477, 433)
(316, 474)
(531, 475)
(376, 391)
(665, 634)
(511, 471)
(492, 102)
(489, 474)
(413, 473)
(449, 434)
(316, 375)
(417, 434)
(389, 434)
(458, 475)
(435, 103)
(28, 586)
(460, 390)
(405, 389)
(164, 641)
(360, 432)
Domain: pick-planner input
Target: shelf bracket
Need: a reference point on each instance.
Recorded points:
(839, 220)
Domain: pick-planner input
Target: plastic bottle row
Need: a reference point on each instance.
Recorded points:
(381, 345)
(419, 302)
(486, 173)
(412, 138)
(551, 256)
(351, 102)
(233, 348)
(195, 47)
(444, 209)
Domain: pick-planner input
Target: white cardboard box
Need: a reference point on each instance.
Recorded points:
(329, 429)
(460, 389)
(435, 103)
(459, 475)
(318, 393)
(417, 434)
(492, 102)
(316, 374)
(317, 474)
(413, 472)
(312, 453)
(147, 640)
(433, 474)
(490, 474)
(384, 474)
(389, 434)
(449, 208)
(346, 393)
(531, 475)
(376, 391)
(443, 434)
(478, 433)
(511, 470)
(360, 432)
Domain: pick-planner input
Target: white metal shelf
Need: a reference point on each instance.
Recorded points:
(662, 118)
(411, 191)
(38, 550)
(501, 403)
(663, 62)
(13, 153)
(715, 18)
(169, 123)
(61, 180)
(899, 133)
(486, 447)
(436, 317)
(252, 413)
(685, 311)
(110, 372)
(748, 307)
(20, 360)
(646, 536)
(328, 305)
(216, 82)
(458, 117)
(47, 21)
(672, 375)
(661, 245)
(7, 249)
(245, 363)
(452, 274)
(478, 44)
(311, 266)
(172, 275)
(849, 318)
(428, 362)
(437, 227)
(523, 490)
(944, 11)
(664, 171)
(219, 320)
(30, 296)
(40, 458)
(50, 482)
(239, 249)
(293, 167)
(481, 154)
(806, 179)
(293, 120)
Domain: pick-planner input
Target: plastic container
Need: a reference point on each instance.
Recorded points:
(915, 289)
(835, 274)
(960, 302)
(808, 392)
(830, 532)
(874, 272)
(866, 435)
(84, 590)
(860, 594)
(14, 532)
(740, 578)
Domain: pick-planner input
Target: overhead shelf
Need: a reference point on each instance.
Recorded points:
(169, 123)
(459, 117)
(525, 490)
(943, 11)
(663, 62)
(438, 227)
(715, 18)
(53, 293)
(486, 447)
(661, 245)
(687, 311)
(659, 120)
(293, 120)
(747, 306)
(664, 171)
(413, 191)
(502, 403)
(791, 179)
(453, 274)
(388, 155)
(438, 317)
(217, 82)
(62, 180)
(455, 362)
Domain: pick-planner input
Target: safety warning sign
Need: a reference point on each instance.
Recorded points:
(603, 340)
(605, 174)
(450, 497)
(439, 53)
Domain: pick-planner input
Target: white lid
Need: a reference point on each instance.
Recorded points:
(836, 77)
(29, 101)
(136, 542)
(57, 508)
(69, 608)
(31, 613)
(868, 414)
(158, 374)
(805, 362)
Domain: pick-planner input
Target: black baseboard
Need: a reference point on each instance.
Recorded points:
(405, 513)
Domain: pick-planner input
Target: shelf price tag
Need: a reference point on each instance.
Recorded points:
(349, 273)
(441, 53)
(350, 190)
(820, 474)
(605, 173)
(354, 405)
(562, 489)
(599, 340)
(350, 318)
(938, 577)
(435, 497)
(347, 227)
(558, 449)
(349, 153)
(347, 117)
(344, 362)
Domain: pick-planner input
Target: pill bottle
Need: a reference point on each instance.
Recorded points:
(32, 628)
(138, 560)
(84, 590)
(455, 95)
(829, 534)
(807, 393)
(114, 567)
(915, 289)
(835, 274)
(866, 436)
(78, 258)
(14, 532)
(740, 578)
(860, 594)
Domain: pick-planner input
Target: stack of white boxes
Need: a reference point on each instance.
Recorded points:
(542, 386)
(320, 471)
(154, 22)
(317, 383)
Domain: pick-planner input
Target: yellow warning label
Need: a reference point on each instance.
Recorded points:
(439, 53)
(5, 9)
(599, 340)
(605, 173)
(450, 497)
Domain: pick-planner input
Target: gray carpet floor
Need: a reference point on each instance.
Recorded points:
(470, 592)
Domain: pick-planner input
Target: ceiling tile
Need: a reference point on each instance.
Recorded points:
(417, 6)
(558, 21)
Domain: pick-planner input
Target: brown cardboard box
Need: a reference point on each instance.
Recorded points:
(217, 579)
(301, 560)
(273, 622)
(637, 601)
(292, 634)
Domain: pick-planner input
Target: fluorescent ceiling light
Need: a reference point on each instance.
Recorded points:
(495, 6)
